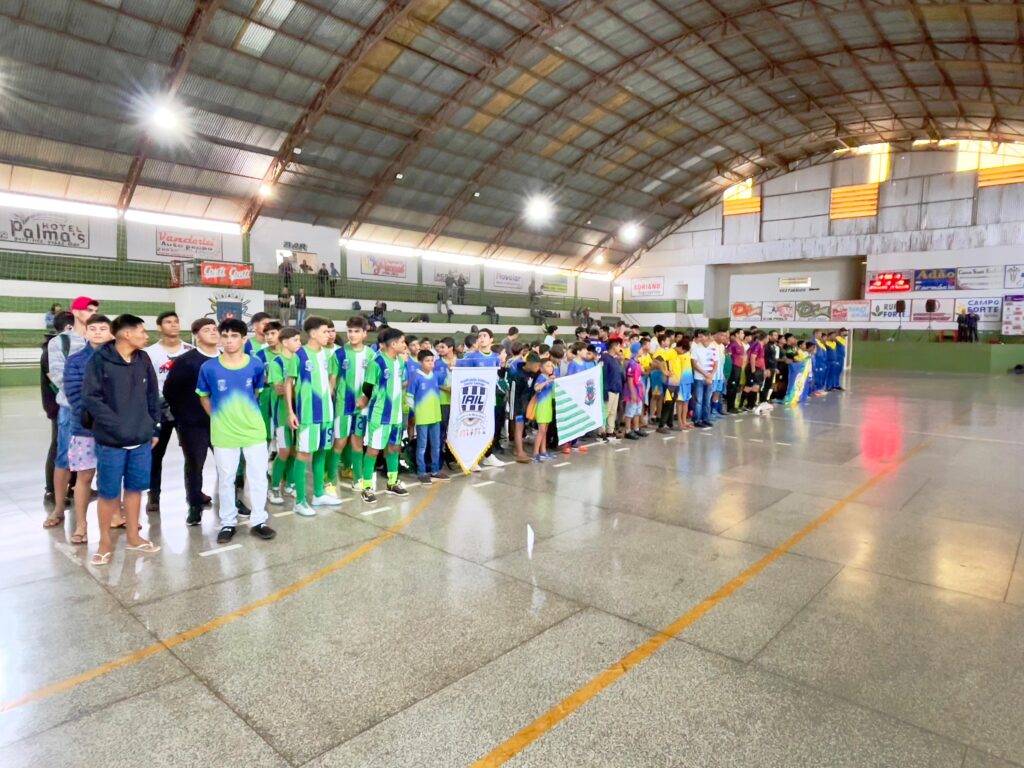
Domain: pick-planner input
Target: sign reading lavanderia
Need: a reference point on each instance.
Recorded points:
(177, 244)
(58, 230)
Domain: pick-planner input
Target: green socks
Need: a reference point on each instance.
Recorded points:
(392, 461)
(369, 462)
(319, 460)
(333, 458)
(299, 479)
(277, 472)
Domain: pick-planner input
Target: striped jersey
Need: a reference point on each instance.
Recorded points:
(277, 373)
(385, 375)
(311, 371)
(350, 365)
(267, 357)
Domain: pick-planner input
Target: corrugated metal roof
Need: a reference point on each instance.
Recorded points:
(590, 100)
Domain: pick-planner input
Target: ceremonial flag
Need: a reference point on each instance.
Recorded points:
(579, 404)
(471, 424)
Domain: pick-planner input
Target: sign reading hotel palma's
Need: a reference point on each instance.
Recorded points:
(222, 273)
(58, 230)
(889, 282)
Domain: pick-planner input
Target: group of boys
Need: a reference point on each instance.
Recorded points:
(319, 412)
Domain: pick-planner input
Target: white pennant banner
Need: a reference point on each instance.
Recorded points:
(471, 424)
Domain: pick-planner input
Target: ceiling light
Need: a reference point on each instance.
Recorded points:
(588, 221)
(166, 119)
(399, 176)
(56, 205)
(265, 190)
(185, 222)
(476, 194)
(629, 233)
(539, 210)
(297, 150)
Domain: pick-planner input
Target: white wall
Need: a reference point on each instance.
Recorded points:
(271, 235)
(142, 244)
(47, 232)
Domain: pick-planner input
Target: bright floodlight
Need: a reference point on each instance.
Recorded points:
(265, 190)
(629, 233)
(539, 210)
(599, 259)
(167, 119)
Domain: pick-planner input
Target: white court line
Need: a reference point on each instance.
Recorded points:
(731, 437)
(620, 450)
(563, 464)
(787, 444)
(369, 512)
(282, 514)
(481, 485)
(666, 439)
(756, 440)
(218, 550)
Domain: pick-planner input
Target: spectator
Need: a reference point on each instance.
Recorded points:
(509, 340)
(284, 305)
(51, 409)
(300, 308)
(321, 276)
(121, 403)
(552, 337)
(449, 286)
(335, 275)
(61, 347)
(286, 270)
(461, 285)
(55, 310)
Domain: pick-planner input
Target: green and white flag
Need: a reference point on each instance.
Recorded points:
(579, 403)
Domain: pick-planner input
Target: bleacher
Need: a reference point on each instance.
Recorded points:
(31, 283)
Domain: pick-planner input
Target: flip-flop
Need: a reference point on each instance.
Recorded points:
(147, 548)
(98, 559)
(79, 538)
(53, 521)
(122, 524)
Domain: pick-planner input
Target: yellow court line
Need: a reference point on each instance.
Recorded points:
(67, 684)
(611, 675)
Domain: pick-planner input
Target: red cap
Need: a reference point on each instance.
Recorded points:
(83, 302)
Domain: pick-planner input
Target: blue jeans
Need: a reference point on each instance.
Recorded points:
(63, 437)
(431, 433)
(116, 465)
(701, 401)
(300, 318)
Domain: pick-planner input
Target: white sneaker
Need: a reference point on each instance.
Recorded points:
(289, 490)
(325, 501)
(475, 468)
(304, 510)
(330, 489)
(357, 486)
(274, 496)
(493, 461)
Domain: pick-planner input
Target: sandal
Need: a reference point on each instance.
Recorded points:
(79, 538)
(122, 524)
(146, 547)
(98, 559)
(53, 521)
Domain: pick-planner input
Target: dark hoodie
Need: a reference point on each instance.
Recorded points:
(122, 399)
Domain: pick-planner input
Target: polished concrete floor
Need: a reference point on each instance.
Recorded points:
(890, 635)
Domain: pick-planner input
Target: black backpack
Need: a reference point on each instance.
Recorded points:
(46, 387)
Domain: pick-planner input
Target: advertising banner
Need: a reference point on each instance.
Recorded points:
(783, 311)
(979, 278)
(579, 404)
(646, 287)
(56, 230)
(938, 279)
(555, 284)
(851, 311)
(506, 280)
(745, 310)
(885, 310)
(1013, 315)
(988, 310)
(1014, 276)
(382, 266)
(177, 244)
(471, 424)
(221, 273)
(814, 310)
(943, 311)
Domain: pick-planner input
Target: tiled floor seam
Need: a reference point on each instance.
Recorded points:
(1013, 571)
(879, 712)
(87, 711)
(444, 687)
